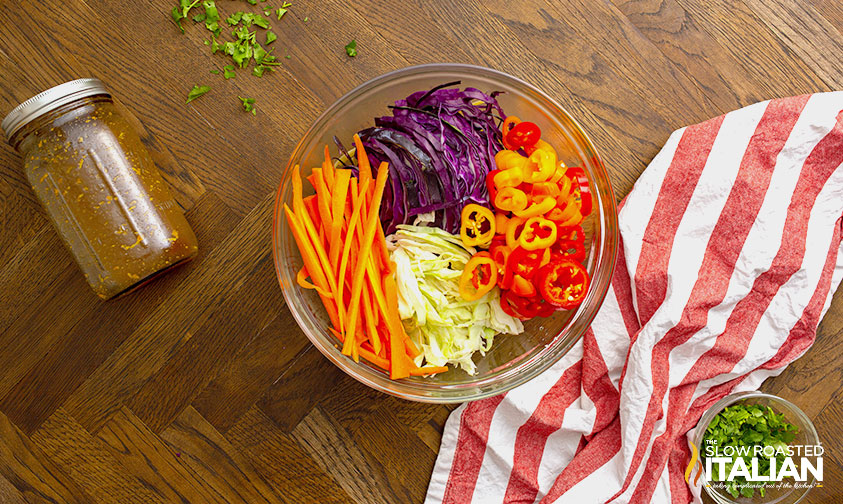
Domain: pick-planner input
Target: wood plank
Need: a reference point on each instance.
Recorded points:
(260, 363)
(173, 322)
(283, 463)
(284, 401)
(32, 472)
(361, 476)
(766, 59)
(214, 460)
(9, 494)
(805, 32)
(407, 460)
(193, 365)
(148, 457)
(88, 461)
(57, 373)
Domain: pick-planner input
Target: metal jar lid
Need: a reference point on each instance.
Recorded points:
(49, 100)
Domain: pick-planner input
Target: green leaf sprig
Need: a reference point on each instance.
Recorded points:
(196, 92)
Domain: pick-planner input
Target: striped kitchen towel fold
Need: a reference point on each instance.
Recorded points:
(730, 254)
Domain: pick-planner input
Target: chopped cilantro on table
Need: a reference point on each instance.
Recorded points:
(351, 49)
(747, 425)
(248, 104)
(243, 48)
(196, 92)
(212, 17)
(283, 10)
(181, 11)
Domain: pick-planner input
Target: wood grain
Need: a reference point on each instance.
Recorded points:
(200, 387)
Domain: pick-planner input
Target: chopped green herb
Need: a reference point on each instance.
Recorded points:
(248, 104)
(212, 17)
(234, 19)
(229, 71)
(747, 425)
(180, 11)
(351, 48)
(306, 19)
(283, 10)
(196, 92)
(271, 37)
(199, 18)
(215, 72)
(253, 2)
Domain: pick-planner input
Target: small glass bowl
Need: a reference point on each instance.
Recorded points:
(512, 360)
(792, 414)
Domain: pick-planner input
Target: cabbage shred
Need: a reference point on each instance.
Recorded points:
(448, 329)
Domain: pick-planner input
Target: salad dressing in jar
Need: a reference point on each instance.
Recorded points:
(99, 186)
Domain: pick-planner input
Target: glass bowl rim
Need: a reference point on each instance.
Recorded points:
(523, 371)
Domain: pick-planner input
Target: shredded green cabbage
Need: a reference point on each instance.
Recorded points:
(447, 328)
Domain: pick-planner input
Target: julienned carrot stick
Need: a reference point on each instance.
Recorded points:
(371, 326)
(365, 250)
(428, 370)
(366, 353)
(363, 166)
(312, 263)
(323, 198)
(310, 205)
(301, 279)
(338, 197)
(349, 238)
(399, 363)
(320, 253)
(328, 168)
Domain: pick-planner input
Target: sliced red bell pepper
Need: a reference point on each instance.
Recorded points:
(563, 283)
(525, 308)
(569, 249)
(578, 174)
(523, 134)
(522, 262)
(522, 287)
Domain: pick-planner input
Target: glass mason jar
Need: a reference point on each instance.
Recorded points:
(99, 186)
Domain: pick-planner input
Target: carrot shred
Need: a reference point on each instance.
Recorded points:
(349, 239)
(363, 166)
(328, 169)
(323, 197)
(366, 353)
(428, 370)
(301, 279)
(399, 362)
(338, 198)
(313, 210)
(371, 325)
(312, 263)
(365, 250)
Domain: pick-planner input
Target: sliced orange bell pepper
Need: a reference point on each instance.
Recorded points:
(536, 209)
(538, 233)
(511, 199)
(477, 225)
(540, 167)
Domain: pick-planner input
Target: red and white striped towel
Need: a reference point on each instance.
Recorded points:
(730, 253)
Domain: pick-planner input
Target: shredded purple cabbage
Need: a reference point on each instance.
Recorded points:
(439, 144)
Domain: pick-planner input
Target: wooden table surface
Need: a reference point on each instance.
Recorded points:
(200, 387)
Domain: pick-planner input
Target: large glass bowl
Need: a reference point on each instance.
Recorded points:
(512, 360)
(807, 436)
